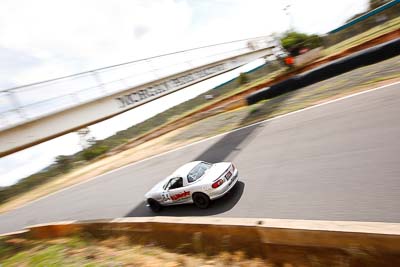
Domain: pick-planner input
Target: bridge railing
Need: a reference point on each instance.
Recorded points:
(25, 103)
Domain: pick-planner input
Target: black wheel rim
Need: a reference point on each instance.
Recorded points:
(201, 201)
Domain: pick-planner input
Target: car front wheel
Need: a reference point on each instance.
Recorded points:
(201, 200)
(154, 205)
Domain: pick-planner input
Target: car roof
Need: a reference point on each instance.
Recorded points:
(185, 169)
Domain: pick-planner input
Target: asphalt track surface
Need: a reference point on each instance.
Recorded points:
(339, 161)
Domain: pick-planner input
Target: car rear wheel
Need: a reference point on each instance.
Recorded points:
(201, 200)
(154, 205)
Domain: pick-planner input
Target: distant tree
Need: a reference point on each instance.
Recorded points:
(313, 41)
(376, 3)
(94, 151)
(243, 78)
(64, 163)
(294, 41)
(355, 16)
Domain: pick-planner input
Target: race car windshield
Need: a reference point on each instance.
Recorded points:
(198, 171)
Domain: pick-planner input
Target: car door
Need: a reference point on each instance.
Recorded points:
(177, 192)
(172, 187)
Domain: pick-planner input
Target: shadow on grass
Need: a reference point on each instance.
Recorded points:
(218, 206)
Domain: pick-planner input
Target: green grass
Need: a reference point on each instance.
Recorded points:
(65, 252)
(120, 251)
(42, 256)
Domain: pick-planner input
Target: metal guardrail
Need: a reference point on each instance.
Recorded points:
(25, 103)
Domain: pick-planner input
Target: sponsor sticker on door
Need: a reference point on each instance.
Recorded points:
(178, 196)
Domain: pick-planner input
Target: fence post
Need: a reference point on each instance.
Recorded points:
(17, 105)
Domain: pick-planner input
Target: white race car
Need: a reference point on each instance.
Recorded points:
(195, 182)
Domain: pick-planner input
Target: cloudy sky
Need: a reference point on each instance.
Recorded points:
(45, 39)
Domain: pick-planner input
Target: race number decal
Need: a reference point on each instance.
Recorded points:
(178, 196)
(165, 196)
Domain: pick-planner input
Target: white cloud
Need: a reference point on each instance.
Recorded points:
(315, 16)
(96, 32)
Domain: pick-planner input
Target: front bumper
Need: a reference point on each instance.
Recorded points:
(225, 187)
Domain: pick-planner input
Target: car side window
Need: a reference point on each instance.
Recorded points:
(175, 183)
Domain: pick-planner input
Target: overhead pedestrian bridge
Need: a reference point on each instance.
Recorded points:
(38, 112)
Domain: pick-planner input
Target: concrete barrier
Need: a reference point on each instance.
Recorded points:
(297, 242)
